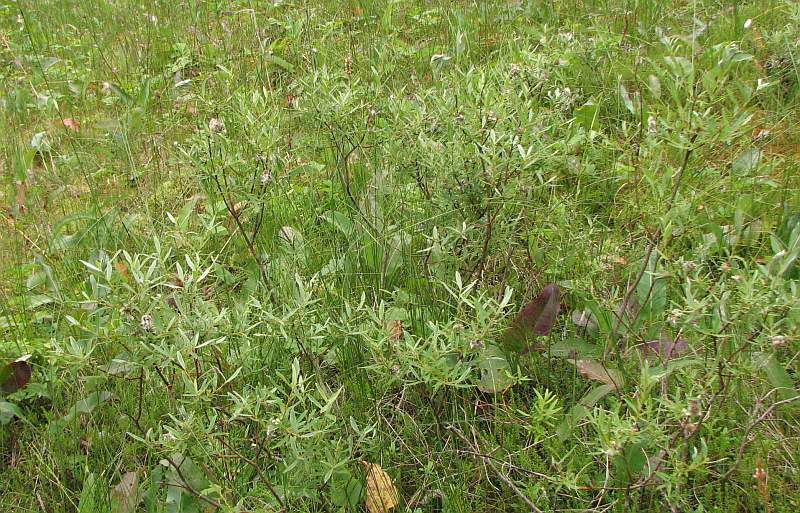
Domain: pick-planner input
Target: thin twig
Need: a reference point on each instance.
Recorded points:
(507, 480)
(189, 488)
(750, 427)
(657, 235)
(258, 470)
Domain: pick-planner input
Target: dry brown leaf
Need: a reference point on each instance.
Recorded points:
(395, 330)
(21, 192)
(382, 495)
(122, 269)
(238, 207)
(72, 124)
(595, 370)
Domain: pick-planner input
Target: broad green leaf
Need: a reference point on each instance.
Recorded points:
(179, 499)
(8, 411)
(280, 62)
(347, 491)
(587, 115)
(747, 162)
(151, 496)
(343, 223)
(494, 372)
(664, 349)
(660, 371)
(86, 503)
(85, 406)
(574, 348)
(777, 375)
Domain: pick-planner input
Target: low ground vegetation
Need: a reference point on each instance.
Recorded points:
(407, 256)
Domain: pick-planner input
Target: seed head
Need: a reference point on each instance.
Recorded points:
(216, 125)
(652, 125)
(146, 323)
(779, 341)
(266, 177)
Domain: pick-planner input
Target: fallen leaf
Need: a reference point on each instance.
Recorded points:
(288, 234)
(16, 374)
(122, 269)
(72, 124)
(21, 193)
(395, 329)
(125, 495)
(382, 495)
(595, 370)
(584, 319)
(238, 207)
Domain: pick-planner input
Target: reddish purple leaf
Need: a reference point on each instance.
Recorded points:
(15, 375)
(664, 348)
(536, 319)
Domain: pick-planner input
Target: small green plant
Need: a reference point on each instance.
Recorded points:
(403, 256)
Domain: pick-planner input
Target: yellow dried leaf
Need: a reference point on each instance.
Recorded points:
(382, 495)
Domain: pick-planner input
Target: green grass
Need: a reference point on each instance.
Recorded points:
(251, 245)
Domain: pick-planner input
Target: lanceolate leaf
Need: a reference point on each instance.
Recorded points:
(574, 348)
(777, 375)
(535, 319)
(596, 370)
